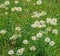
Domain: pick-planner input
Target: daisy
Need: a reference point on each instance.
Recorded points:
(55, 31)
(48, 20)
(36, 14)
(16, 1)
(37, 23)
(54, 21)
(3, 31)
(28, 0)
(2, 6)
(11, 52)
(7, 2)
(19, 9)
(20, 51)
(13, 9)
(32, 48)
(43, 13)
(34, 38)
(17, 28)
(40, 34)
(47, 39)
(52, 43)
(13, 37)
(39, 2)
(42, 23)
(25, 41)
(33, 25)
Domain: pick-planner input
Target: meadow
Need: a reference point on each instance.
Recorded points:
(29, 27)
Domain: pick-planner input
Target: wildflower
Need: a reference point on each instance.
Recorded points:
(33, 25)
(17, 28)
(25, 41)
(55, 31)
(34, 38)
(2, 6)
(19, 9)
(40, 34)
(16, 1)
(54, 21)
(48, 20)
(42, 23)
(14, 37)
(32, 48)
(39, 2)
(11, 52)
(13, 9)
(43, 13)
(7, 2)
(36, 14)
(20, 51)
(52, 43)
(47, 39)
(3, 31)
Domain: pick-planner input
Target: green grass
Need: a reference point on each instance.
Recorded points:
(24, 20)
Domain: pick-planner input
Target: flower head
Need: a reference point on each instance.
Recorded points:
(39, 2)
(25, 41)
(11, 52)
(20, 51)
(52, 43)
(3, 31)
(32, 48)
(47, 39)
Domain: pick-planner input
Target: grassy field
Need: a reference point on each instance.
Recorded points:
(24, 20)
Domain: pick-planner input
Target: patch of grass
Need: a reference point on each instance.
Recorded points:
(24, 20)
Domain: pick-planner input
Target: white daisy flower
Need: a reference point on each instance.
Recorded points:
(47, 39)
(54, 21)
(13, 37)
(2, 6)
(3, 31)
(34, 38)
(20, 51)
(13, 9)
(19, 9)
(11, 52)
(33, 25)
(42, 23)
(39, 2)
(17, 28)
(52, 43)
(43, 13)
(36, 14)
(25, 41)
(37, 23)
(48, 20)
(40, 34)
(16, 1)
(55, 31)
(32, 48)
(28, 0)
(7, 2)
